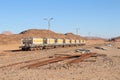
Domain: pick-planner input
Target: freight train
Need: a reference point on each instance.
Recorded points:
(43, 43)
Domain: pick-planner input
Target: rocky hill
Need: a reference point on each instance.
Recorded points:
(7, 32)
(15, 38)
(116, 39)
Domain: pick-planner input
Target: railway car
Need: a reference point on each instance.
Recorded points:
(29, 43)
(66, 42)
(82, 42)
(49, 42)
(59, 42)
(43, 43)
(77, 41)
(72, 41)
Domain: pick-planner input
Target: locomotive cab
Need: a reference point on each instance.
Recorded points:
(25, 44)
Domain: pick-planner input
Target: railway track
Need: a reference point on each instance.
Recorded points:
(81, 58)
(51, 59)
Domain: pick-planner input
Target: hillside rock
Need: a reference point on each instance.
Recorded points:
(116, 39)
(7, 33)
(16, 38)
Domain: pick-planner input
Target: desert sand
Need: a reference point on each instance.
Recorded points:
(105, 66)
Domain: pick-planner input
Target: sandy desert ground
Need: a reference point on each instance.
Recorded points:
(103, 67)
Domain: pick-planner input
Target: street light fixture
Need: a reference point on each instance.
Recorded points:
(48, 20)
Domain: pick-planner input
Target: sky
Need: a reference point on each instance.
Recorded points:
(100, 18)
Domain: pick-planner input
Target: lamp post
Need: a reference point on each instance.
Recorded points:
(48, 20)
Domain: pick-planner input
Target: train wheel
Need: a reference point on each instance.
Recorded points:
(54, 46)
(23, 49)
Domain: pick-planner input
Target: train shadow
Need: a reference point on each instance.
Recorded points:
(17, 50)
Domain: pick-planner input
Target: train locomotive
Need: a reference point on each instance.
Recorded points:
(43, 43)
